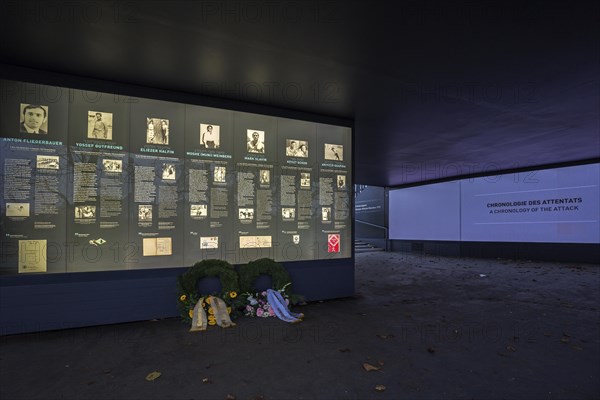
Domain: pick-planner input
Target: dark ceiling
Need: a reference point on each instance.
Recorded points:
(436, 89)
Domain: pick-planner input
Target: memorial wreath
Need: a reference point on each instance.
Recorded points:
(237, 294)
(188, 292)
(271, 302)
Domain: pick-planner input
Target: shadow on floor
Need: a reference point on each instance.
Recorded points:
(433, 327)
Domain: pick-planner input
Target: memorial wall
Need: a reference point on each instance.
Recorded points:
(95, 181)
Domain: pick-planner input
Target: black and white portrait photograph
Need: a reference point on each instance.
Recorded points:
(85, 212)
(304, 179)
(112, 165)
(47, 162)
(198, 210)
(288, 213)
(264, 176)
(256, 141)
(334, 152)
(157, 131)
(219, 174)
(168, 171)
(341, 181)
(246, 214)
(145, 212)
(210, 136)
(100, 125)
(17, 209)
(34, 119)
(325, 213)
(296, 148)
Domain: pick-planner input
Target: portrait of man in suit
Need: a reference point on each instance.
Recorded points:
(33, 118)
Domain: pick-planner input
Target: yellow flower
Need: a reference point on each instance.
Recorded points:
(203, 305)
(211, 311)
(228, 310)
(212, 322)
(208, 300)
(233, 295)
(182, 297)
(212, 318)
(191, 313)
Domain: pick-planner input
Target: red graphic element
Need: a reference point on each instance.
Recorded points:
(333, 243)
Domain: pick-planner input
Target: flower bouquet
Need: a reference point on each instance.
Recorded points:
(258, 305)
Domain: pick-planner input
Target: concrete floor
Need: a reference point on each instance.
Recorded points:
(436, 327)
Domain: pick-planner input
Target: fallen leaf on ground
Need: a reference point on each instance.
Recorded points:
(565, 339)
(510, 348)
(370, 367)
(380, 388)
(230, 397)
(206, 380)
(388, 336)
(380, 363)
(577, 348)
(153, 376)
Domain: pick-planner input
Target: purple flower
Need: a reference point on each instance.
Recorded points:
(259, 312)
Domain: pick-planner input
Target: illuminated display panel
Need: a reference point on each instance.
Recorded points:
(557, 205)
(93, 181)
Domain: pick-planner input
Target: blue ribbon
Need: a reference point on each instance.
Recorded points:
(280, 308)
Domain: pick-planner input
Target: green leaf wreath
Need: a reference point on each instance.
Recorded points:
(233, 283)
(280, 279)
(187, 287)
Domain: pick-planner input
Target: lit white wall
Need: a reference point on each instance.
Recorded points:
(560, 205)
(429, 212)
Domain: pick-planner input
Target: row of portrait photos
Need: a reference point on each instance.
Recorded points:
(34, 120)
